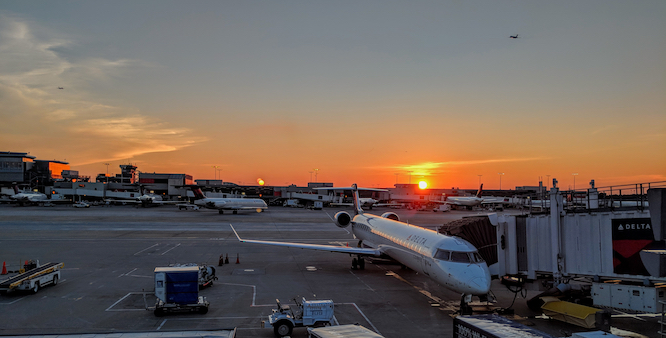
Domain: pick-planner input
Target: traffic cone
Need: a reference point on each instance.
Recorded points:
(220, 262)
(4, 268)
(226, 260)
(237, 258)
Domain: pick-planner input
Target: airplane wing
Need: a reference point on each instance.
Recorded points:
(320, 247)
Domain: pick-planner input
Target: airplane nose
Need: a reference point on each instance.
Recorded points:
(479, 285)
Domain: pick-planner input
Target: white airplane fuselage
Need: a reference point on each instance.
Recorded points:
(419, 248)
(465, 201)
(29, 197)
(231, 203)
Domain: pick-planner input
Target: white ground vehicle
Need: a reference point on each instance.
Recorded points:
(307, 313)
(81, 205)
(34, 278)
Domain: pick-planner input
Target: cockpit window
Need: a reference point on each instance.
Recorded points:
(458, 256)
(442, 254)
(476, 258)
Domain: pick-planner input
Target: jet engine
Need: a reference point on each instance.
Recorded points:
(342, 219)
(391, 215)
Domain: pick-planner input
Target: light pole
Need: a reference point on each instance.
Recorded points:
(547, 180)
(410, 176)
(501, 174)
(316, 171)
(107, 172)
(215, 167)
(574, 175)
(219, 176)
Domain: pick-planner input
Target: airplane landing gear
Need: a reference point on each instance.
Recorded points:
(465, 309)
(358, 263)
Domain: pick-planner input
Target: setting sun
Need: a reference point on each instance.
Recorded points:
(423, 185)
(260, 181)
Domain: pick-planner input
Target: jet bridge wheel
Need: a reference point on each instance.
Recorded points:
(221, 212)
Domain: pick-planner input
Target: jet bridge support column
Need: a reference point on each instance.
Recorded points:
(657, 205)
(556, 210)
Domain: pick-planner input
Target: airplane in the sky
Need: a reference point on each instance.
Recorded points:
(514, 36)
(61, 88)
(450, 261)
(230, 204)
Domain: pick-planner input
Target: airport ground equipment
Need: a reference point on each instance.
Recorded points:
(177, 289)
(492, 326)
(342, 331)
(34, 278)
(186, 206)
(306, 313)
(206, 273)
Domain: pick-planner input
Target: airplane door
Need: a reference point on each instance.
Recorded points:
(426, 264)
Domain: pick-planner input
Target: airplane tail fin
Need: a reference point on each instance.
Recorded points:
(357, 204)
(478, 194)
(198, 194)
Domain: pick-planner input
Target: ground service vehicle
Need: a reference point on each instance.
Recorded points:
(33, 278)
(342, 331)
(177, 289)
(306, 313)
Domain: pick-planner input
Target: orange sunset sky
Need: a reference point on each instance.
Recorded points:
(367, 92)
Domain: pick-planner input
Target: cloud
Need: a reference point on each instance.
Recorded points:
(434, 168)
(40, 118)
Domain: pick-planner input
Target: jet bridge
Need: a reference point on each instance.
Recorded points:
(596, 246)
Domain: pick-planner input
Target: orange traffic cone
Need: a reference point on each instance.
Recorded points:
(4, 268)
(237, 259)
(226, 260)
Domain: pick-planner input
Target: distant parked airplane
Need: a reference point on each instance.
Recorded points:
(229, 204)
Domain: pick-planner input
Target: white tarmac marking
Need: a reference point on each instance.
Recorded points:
(148, 248)
(12, 302)
(159, 327)
(363, 314)
(110, 308)
(254, 292)
(125, 274)
(177, 245)
(368, 286)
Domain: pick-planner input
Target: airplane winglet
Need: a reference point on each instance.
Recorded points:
(232, 228)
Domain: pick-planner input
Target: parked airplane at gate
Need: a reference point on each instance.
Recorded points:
(450, 261)
(146, 199)
(32, 197)
(230, 204)
(365, 202)
(470, 201)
